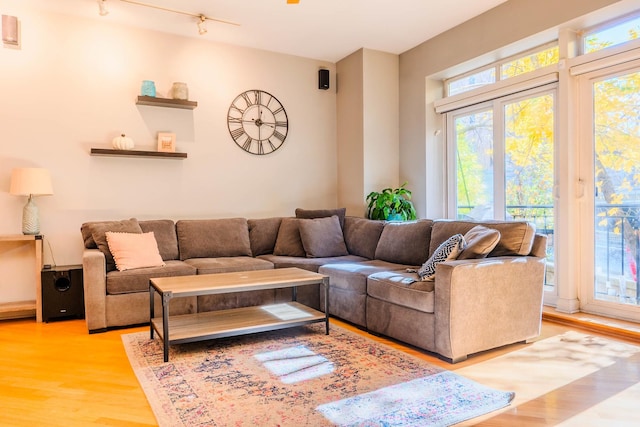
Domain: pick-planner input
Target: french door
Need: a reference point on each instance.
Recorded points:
(502, 155)
(610, 160)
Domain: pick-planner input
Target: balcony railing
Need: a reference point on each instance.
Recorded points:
(617, 245)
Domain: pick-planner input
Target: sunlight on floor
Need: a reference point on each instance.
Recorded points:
(285, 311)
(295, 364)
(551, 364)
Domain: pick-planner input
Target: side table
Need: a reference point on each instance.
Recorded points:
(26, 308)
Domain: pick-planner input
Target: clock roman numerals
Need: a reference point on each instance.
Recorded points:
(257, 122)
(249, 102)
(279, 135)
(247, 144)
(237, 133)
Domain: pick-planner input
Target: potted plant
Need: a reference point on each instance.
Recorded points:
(391, 204)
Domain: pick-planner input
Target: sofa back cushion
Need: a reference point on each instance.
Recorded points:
(516, 237)
(213, 238)
(165, 233)
(361, 236)
(405, 242)
(263, 233)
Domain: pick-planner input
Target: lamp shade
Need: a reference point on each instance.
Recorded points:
(31, 182)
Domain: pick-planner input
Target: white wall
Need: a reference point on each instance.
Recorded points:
(368, 146)
(72, 86)
(350, 99)
(381, 133)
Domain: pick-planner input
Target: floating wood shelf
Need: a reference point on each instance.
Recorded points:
(136, 153)
(166, 102)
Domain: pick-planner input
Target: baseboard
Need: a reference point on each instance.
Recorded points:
(17, 310)
(603, 328)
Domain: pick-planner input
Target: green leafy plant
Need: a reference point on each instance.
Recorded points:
(391, 204)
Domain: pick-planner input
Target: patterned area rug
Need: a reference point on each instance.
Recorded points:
(301, 377)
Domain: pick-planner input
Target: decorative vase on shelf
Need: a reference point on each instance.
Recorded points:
(180, 90)
(148, 88)
(122, 142)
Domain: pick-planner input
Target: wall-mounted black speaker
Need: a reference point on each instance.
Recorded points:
(62, 292)
(323, 79)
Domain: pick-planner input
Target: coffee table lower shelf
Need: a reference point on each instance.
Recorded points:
(238, 321)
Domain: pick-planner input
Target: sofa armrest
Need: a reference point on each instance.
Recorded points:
(94, 274)
(482, 304)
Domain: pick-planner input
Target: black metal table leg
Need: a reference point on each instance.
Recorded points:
(165, 324)
(325, 283)
(151, 309)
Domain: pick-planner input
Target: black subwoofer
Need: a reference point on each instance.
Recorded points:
(62, 292)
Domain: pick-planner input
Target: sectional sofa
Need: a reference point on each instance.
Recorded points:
(485, 295)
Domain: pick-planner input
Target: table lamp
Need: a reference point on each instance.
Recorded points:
(30, 182)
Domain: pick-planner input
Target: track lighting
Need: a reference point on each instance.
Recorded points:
(102, 4)
(202, 19)
(202, 26)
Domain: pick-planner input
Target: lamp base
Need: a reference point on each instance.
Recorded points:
(30, 219)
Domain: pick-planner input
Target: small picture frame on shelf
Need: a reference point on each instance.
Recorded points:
(166, 142)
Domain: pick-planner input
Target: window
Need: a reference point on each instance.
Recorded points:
(611, 34)
(503, 157)
(528, 63)
(521, 64)
(472, 81)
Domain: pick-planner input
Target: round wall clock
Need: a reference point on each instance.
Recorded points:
(257, 122)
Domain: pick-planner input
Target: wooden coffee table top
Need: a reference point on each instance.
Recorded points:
(221, 283)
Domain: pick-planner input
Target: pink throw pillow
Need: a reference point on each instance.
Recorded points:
(134, 250)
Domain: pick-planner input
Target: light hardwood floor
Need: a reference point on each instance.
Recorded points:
(56, 374)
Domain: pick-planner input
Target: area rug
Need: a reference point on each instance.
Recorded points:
(301, 377)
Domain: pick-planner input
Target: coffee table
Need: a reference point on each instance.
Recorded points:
(238, 321)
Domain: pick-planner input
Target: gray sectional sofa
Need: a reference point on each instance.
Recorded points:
(486, 300)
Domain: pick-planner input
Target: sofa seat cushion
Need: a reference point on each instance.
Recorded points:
(516, 237)
(236, 300)
(228, 264)
(128, 281)
(352, 276)
(405, 242)
(403, 289)
(311, 264)
(213, 238)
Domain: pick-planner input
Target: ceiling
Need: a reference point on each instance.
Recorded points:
(326, 30)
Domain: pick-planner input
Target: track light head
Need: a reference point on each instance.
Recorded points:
(202, 26)
(102, 5)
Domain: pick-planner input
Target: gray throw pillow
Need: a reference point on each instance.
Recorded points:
(480, 241)
(322, 237)
(288, 242)
(321, 213)
(448, 250)
(98, 230)
(263, 233)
